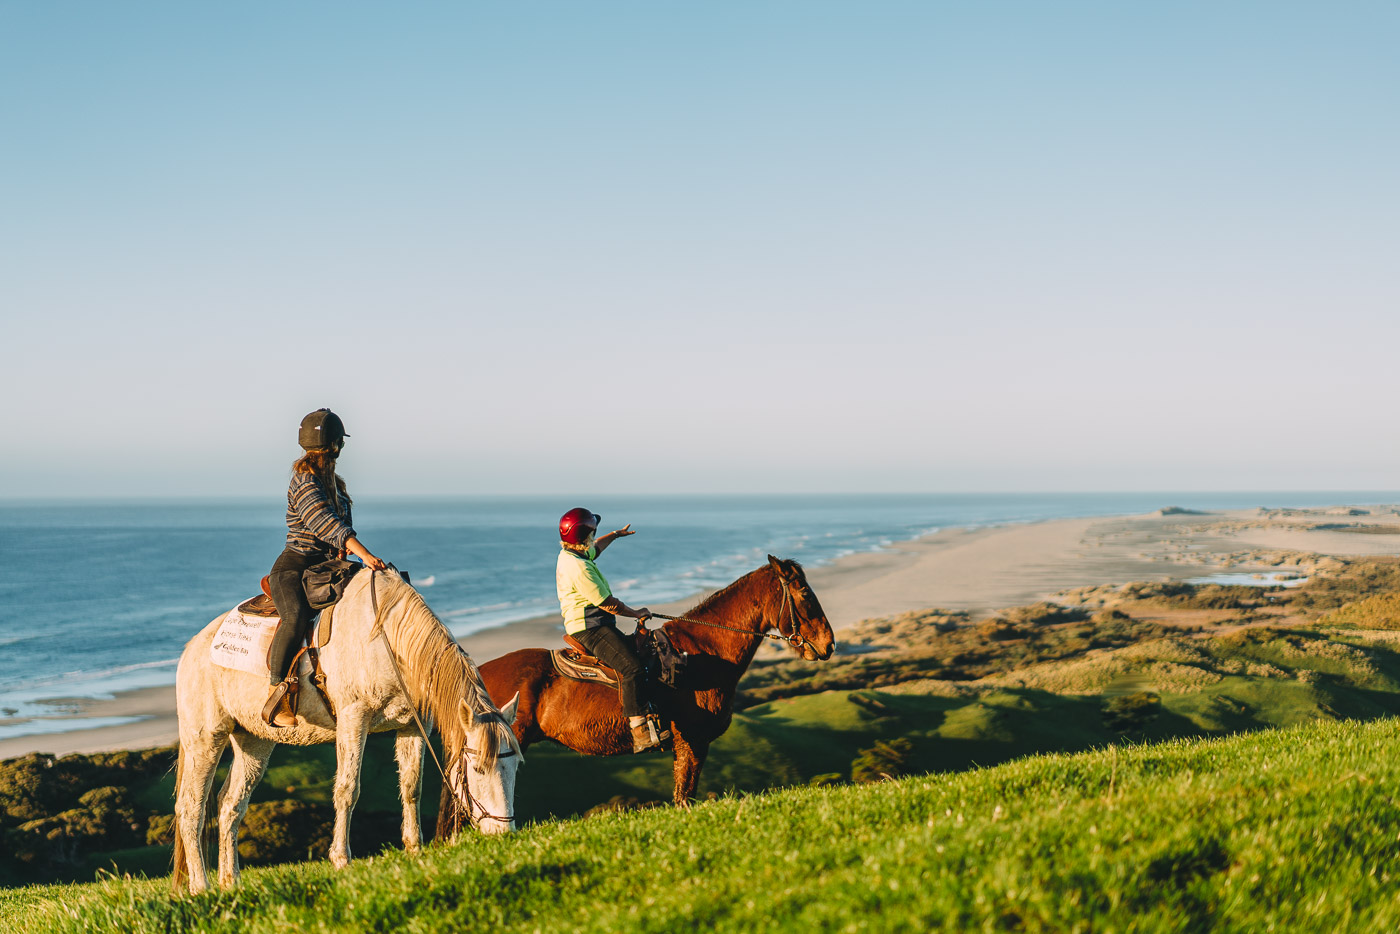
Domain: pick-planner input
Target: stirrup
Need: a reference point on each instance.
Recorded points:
(649, 735)
(280, 711)
(658, 730)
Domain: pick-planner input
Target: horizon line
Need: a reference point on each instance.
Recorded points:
(206, 497)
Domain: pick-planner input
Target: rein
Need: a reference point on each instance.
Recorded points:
(794, 638)
(413, 709)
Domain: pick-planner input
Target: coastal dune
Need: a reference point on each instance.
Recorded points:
(980, 569)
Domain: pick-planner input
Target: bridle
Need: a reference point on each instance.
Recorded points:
(458, 778)
(794, 637)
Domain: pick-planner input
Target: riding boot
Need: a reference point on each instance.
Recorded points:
(281, 708)
(642, 738)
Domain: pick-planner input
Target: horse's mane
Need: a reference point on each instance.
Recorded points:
(439, 674)
(726, 591)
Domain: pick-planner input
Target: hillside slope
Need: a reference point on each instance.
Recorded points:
(1290, 829)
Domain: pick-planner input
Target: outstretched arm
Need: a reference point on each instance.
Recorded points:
(604, 541)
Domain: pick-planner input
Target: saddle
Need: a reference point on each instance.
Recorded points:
(576, 664)
(262, 605)
(661, 662)
(325, 584)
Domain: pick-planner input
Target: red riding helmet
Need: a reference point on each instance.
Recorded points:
(575, 525)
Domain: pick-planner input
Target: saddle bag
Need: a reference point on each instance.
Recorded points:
(325, 583)
(664, 663)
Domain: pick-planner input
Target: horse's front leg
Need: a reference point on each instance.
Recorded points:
(351, 729)
(199, 757)
(250, 755)
(690, 757)
(408, 750)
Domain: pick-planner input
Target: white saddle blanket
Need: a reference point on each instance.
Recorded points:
(242, 642)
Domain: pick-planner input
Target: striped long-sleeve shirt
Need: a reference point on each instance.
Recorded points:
(316, 523)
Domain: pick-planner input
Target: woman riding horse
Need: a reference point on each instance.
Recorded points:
(318, 528)
(590, 613)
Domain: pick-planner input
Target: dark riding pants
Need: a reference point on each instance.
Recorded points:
(290, 599)
(613, 649)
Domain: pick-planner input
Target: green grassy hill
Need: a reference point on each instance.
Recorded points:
(942, 694)
(1290, 829)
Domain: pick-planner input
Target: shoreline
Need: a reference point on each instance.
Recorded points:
(980, 569)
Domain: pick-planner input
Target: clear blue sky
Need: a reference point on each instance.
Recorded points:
(727, 246)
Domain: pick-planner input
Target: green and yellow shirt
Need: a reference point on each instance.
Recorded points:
(582, 590)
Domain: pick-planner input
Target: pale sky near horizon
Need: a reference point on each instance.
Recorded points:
(637, 247)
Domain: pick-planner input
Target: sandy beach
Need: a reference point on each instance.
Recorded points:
(967, 569)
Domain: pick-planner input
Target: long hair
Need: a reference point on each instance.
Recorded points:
(320, 463)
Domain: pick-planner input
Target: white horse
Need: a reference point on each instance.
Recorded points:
(218, 706)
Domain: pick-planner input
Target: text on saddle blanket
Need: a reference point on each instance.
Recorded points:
(242, 642)
(245, 636)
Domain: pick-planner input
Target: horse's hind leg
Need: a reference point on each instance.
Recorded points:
(250, 755)
(351, 729)
(199, 757)
(408, 750)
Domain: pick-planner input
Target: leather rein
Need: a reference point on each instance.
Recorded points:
(793, 638)
(473, 804)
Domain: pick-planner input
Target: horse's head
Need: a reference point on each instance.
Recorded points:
(483, 776)
(801, 618)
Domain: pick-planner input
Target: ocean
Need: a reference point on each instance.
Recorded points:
(100, 597)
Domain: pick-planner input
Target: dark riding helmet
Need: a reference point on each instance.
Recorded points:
(321, 429)
(575, 525)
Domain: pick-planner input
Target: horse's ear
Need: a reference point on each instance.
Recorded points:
(778, 566)
(508, 711)
(464, 713)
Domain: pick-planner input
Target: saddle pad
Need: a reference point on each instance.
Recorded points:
(242, 642)
(569, 663)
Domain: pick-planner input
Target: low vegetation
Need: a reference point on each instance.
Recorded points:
(949, 646)
(1347, 583)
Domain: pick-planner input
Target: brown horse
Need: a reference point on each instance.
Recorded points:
(588, 717)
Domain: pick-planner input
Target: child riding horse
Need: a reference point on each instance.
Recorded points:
(590, 613)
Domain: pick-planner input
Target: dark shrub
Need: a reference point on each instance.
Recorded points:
(1131, 711)
(285, 831)
(1046, 613)
(885, 760)
(160, 830)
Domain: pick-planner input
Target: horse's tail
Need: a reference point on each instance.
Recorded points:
(180, 874)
